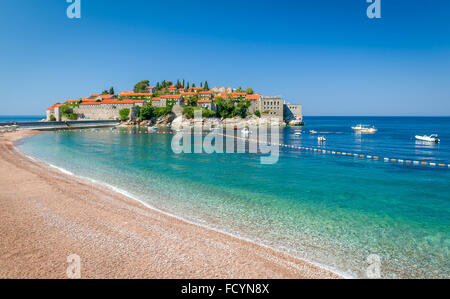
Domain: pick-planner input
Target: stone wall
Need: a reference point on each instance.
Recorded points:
(102, 112)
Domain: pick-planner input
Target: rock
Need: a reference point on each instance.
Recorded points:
(166, 120)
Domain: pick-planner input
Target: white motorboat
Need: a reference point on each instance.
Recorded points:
(312, 132)
(364, 129)
(321, 139)
(298, 132)
(432, 138)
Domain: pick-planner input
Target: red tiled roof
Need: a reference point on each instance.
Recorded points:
(94, 95)
(204, 101)
(107, 96)
(131, 94)
(125, 101)
(175, 96)
(253, 97)
(188, 93)
(205, 92)
(156, 99)
(150, 87)
(72, 101)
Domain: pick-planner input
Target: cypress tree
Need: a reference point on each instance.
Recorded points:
(206, 87)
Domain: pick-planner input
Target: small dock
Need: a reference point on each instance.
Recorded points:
(58, 125)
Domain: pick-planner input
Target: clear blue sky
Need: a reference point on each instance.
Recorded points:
(324, 54)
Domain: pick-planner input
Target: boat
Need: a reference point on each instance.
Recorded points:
(312, 132)
(321, 139)
(298, 132)
(364, 129)
(432, 138)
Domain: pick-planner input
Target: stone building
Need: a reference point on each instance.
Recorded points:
(272, 107)
(221, 89)
(293, 112)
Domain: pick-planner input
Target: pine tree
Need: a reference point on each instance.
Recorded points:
(157, 86)
(111, 90)
(182, 83)
(178, 84)
(206, 87)
(187, 86)
(201, 84)
(193, 85)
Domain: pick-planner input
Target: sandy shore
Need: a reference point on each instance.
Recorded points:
(45, 216)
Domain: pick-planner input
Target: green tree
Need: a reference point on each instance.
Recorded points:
(52, 118)
(124, 114)
(147, 112)
(141, 86)
(182, 83)
(258, 113)
(188, 111)
(239, 90)
(206, 86)
(242, 108)
(187, 86)
(111, 90)
(249, 91)
(192, 100)
(105, 92)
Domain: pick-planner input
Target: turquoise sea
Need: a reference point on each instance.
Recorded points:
(328, 209)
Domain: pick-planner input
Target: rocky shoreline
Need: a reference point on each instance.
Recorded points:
(179, 121)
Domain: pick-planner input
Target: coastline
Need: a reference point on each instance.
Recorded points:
(57, 215)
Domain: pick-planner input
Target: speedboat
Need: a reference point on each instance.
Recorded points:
(364, 129)
(432, 138)
(298, 132)
(312, 132)
(321, 139)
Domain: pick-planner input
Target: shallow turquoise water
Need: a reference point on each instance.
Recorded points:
(331, 210)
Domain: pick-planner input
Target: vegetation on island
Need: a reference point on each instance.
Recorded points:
(148, 111)
(140, 87)
(67, 112)
(111, 91)
(124, 114)
(228, 108)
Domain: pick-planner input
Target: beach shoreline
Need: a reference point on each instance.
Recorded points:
(47, 215)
